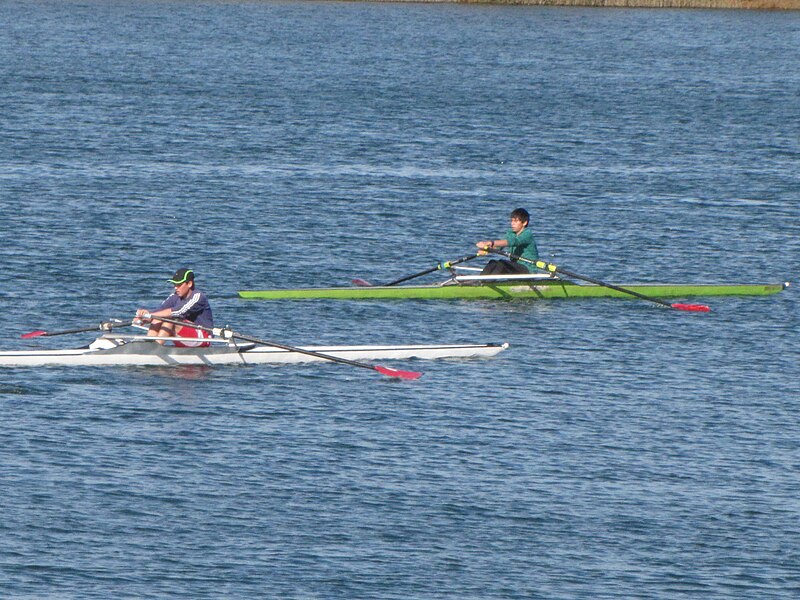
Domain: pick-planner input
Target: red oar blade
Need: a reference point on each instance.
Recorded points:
(397, 373)
(361, 282)
(33, 334)
(691, 307)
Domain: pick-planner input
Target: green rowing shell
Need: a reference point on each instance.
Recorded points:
(508, 291)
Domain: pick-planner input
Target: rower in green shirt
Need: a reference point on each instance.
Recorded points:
(518, 241)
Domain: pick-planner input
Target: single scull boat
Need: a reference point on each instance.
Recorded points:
(534, 286)
(115, 349)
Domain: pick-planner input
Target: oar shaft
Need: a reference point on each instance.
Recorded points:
(105, 326)
(338, 359)
(545, 266)
(439, 267)
(554, 269)
(69, 331)
(227, 333)
(414, 276)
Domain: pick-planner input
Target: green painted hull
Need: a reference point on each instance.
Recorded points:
(509, 291)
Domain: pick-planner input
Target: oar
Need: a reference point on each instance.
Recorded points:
(545, 266)
(438, 267)
(105, 326)
(227, 333)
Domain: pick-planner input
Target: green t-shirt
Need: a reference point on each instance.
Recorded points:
(522, 245)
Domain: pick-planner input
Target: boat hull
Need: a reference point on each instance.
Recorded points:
(148, 353)
(509, 291)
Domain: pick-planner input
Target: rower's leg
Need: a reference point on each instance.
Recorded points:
(503, 267)
(160, 329)
(492, 267)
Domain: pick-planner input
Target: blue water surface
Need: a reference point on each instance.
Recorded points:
(616, 450)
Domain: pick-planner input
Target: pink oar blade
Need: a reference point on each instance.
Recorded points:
(691, 307)
(361, 282)
(397, 373)
(33, 334)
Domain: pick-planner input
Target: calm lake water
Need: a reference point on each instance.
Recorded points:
(616, 450)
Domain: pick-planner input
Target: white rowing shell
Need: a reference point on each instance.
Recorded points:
(132, 350)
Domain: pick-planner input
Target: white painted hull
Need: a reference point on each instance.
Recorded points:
(119, 352)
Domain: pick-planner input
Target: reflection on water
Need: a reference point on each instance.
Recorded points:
(182, 372)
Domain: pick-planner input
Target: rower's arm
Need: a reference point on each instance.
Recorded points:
(492, 244)
(143, 313)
